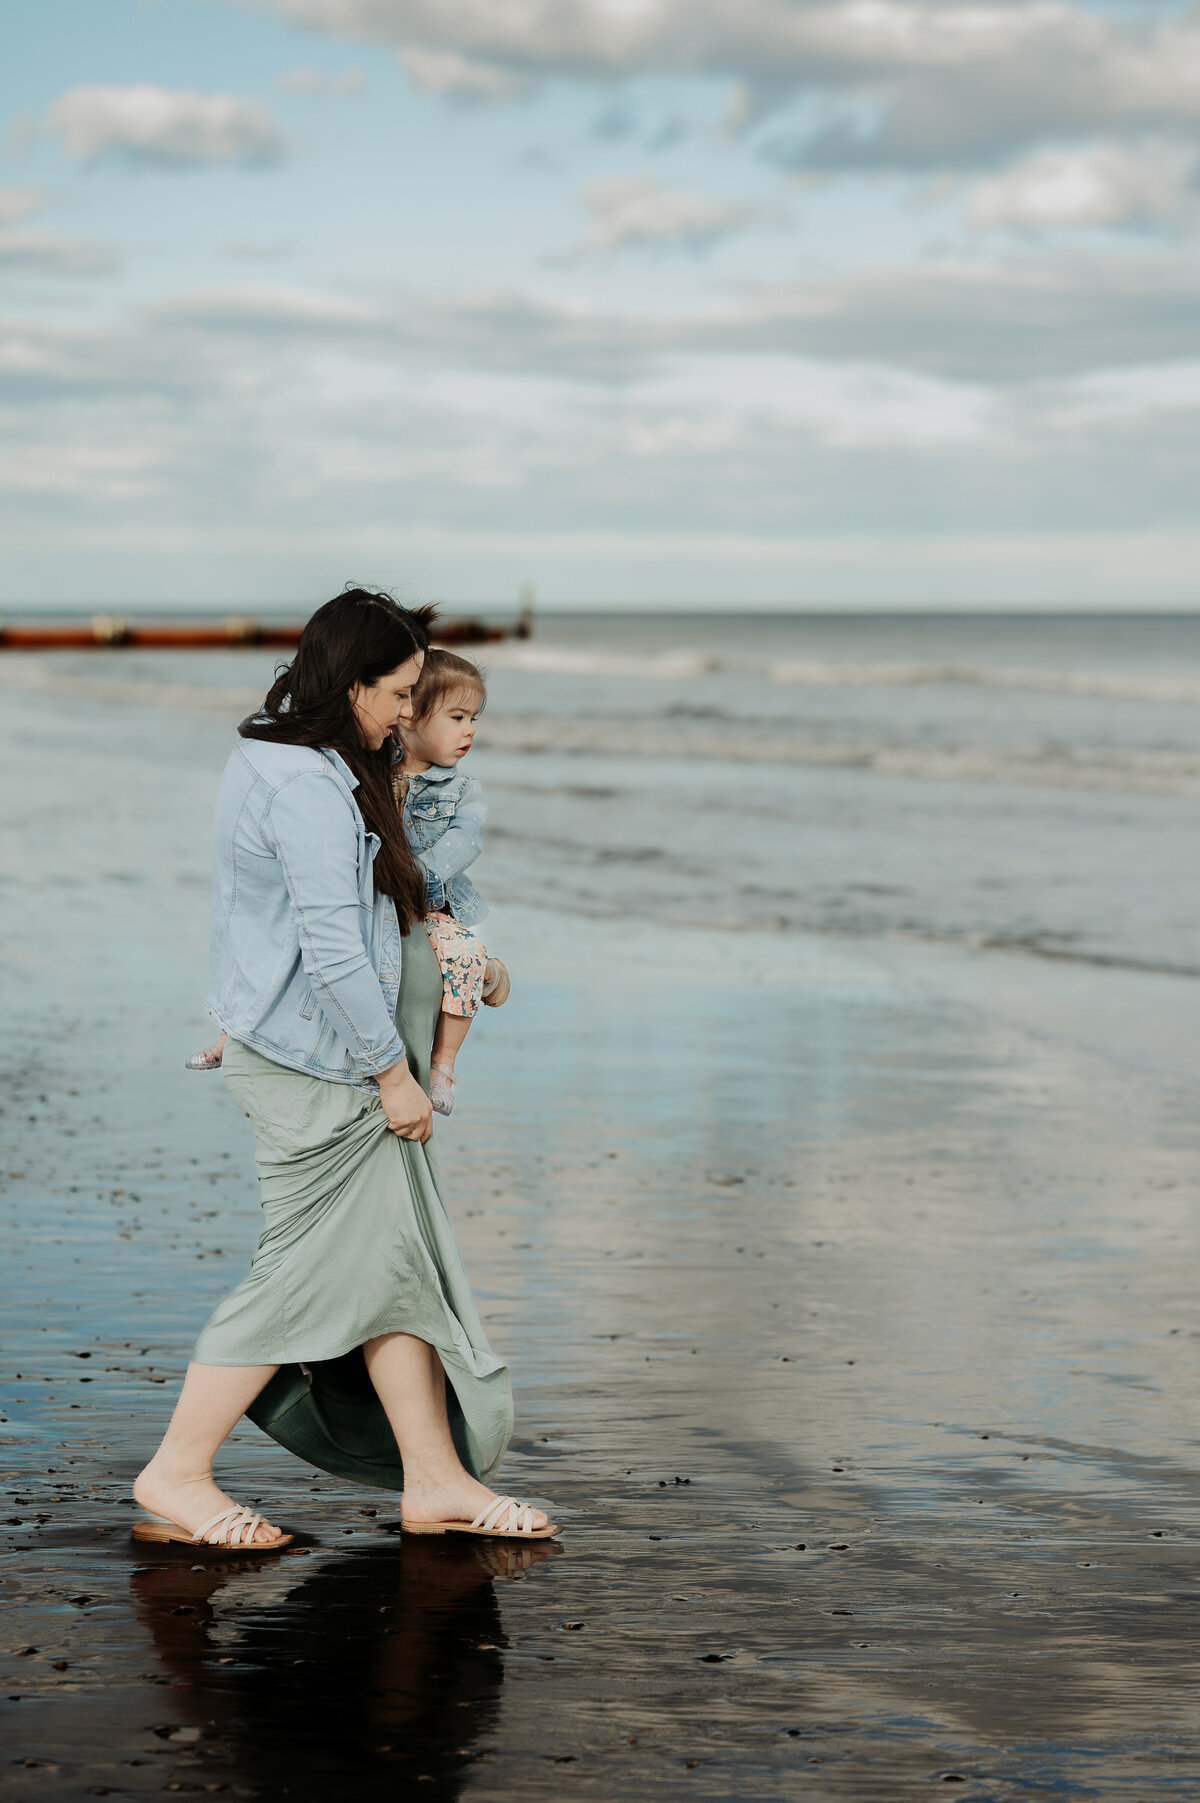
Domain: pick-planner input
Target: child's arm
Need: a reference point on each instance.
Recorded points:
(459, 845)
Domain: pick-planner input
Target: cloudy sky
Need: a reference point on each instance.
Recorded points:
(873, 301)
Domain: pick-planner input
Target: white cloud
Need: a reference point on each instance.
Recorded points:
(23, 252)
(1037, 317)
(169, 127)
(974, 79)
(315, 81)
(259, 250)
(279, 311)
(283, 416)
(1044, 317)
(48, 253)
(97, 471)
(1135, 393)
(458, 77)
(18, 203)
(631, 212)
(738, 38)
(1101, 184)
(846, 405)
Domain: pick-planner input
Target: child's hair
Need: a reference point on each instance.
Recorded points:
(443, 673)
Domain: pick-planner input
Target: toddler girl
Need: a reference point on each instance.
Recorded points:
(444, 815)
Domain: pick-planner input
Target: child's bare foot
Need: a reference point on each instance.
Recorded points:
(188, 1501)
(441, 1088)
(210, 1058)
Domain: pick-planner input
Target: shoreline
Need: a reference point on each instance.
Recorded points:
(882, 1250)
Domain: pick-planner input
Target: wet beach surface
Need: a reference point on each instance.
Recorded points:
(849, 1296)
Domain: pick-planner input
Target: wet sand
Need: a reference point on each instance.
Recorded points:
(848, 1290)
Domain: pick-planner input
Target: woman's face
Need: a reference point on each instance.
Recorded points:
(387, 703)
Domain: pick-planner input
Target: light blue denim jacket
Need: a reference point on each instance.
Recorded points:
(305, 953)
(444, 816)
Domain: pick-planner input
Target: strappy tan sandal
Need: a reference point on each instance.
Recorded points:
(504, 1518)
(232, 1530)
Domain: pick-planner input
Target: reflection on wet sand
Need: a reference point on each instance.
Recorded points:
(366, 1672)
(850, 1296)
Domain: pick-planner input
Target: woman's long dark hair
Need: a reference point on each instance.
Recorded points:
(359, 636)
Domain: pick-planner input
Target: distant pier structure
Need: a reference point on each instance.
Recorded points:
(109, 631)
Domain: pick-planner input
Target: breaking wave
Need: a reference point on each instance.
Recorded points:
(680, 664)
(561, 660)
(1135, 771)
(1111, 685)
(684, 664)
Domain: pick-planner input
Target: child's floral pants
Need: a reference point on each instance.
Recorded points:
(463, 960)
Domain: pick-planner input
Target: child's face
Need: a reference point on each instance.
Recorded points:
(446, 735)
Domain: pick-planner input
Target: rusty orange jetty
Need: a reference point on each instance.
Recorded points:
(104, 632)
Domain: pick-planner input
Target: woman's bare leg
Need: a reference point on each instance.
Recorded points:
(411, 1384)
(178, 1481)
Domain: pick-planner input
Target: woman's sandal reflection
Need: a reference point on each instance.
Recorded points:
(315, 1680)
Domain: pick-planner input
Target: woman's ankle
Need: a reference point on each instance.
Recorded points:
(432, 1479)
(168, 1468)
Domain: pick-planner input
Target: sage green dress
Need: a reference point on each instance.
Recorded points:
(356, 1243)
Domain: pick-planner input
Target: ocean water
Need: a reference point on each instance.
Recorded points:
(1012, 782)
(853, 1326)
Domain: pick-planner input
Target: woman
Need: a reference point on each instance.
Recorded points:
(356, 1310)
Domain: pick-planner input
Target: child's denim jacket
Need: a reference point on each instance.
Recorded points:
(444, 817)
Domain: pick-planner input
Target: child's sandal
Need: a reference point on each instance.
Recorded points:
(441, 1088)
(496, 984)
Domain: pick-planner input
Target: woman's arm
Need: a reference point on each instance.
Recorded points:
(309, 827)
(459, 845)
(408, 1109)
